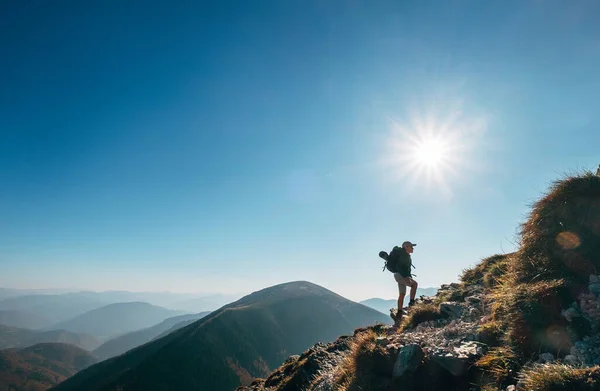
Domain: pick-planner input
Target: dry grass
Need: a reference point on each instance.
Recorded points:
(558, 377)
(486, 271)
(490, 333)
(531, 315)
(420, 313)
(367, 367)
(500, 363)
(561, 238)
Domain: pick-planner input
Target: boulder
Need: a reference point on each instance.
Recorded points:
(459, 361)
(408, 359)
(451, 309)
(546, 358)
(594, 288)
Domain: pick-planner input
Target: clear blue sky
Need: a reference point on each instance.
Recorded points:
(189, 146)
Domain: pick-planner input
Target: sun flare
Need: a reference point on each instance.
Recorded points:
(430, 152)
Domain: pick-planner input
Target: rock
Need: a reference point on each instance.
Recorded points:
(473, 299)
(408, 359)
(382, 341)
(570, 313)
(455, 285)
(594, 279)
(451, 309)
(570, 359)
(456, 366)
(471, 349)
(594, 288)
(546, 358)
(511, 388)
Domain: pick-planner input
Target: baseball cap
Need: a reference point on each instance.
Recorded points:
(407, 243)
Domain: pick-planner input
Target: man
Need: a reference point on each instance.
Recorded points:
(401, 266)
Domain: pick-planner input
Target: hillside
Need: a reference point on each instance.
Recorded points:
(116, 319)
(527, 320)
(55, 308)
(227, 348)
(12, 337)
(123, 343)
(41, 366)
(384, 305)
(22, 319)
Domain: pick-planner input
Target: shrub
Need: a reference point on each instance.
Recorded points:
(559, 377)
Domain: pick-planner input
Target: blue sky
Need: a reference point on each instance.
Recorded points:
(189, 146)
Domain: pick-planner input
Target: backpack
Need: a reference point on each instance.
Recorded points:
(391, 260)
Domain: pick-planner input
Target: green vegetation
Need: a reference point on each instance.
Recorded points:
(558, 377)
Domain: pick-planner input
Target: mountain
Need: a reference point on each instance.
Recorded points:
(55, 308)
(384, 305)
(41, 366)
(12, 337)
(116, 319)
(524, 320)
(123, 343)
(232, 345)
(22, 319)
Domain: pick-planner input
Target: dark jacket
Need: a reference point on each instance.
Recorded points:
(402, 261)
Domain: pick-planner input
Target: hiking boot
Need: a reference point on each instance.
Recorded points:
(411, 303)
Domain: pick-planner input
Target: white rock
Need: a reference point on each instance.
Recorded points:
(511, 388)
(570, 359)
(546, 357)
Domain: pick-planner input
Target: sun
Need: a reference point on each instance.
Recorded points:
(430, 152)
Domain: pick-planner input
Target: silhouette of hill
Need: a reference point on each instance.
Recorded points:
(41, 366)
(55, 308)
(233, 344)
(116, 319)
(123, 343)
(22, 319)
(12, 337)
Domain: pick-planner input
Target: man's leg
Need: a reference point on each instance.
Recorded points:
(401, 294)
(413, 290)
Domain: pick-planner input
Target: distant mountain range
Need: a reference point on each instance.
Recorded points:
(22, 319)
(63, 305)
(54, 308)
(116, 319)
(41, 366)
(384, 305)
(12, 337)
(122, 344)
(231, 346)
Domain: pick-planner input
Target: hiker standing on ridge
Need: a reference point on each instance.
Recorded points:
(399, 262)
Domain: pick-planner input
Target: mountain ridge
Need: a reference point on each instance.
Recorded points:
(232, 344)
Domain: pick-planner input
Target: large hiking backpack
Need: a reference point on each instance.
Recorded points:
(391, 260)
